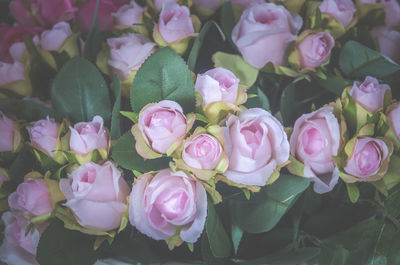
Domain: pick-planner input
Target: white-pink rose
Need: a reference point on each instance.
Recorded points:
(388, 41)
(44, 135)
(257, 145)
(392, 10)
(202, 152)
(18, 249)
(218, 84)
(6, 133)
(263, 33)
(367, 158)
(88, 136)
(394, 119)
(11, 72)
(128, 53)
(52, 40)
(369, 94)
(97, 195)
(175, 22)
(161, 204)
(31, 197)
(129, 14)
(160, 3)
(342, 10)
(162, 124)
(315, 139)
(315, 49)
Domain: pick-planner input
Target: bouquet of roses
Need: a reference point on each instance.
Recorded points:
(243, 132)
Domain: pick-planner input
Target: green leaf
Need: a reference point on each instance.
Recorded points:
(217, 237)
(124, 153)
(24, 163)
(164, 75)
(115, 118)
(228, 20)
(267, 207)
(194, 53)
(353, 192)
(93, 43)
(134, 117)
(237, 234)
(392, 202)
(79, 92)
(25, 109)
(335, 256)
(207, 254)
(59, 246)
(357, 60)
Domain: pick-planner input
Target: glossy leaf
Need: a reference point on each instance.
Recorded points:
(115, 116)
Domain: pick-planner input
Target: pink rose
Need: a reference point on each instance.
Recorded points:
(128, 53)
(392, 10)
(315, 139)
(6, 133)
(202, 152)
(17, 50)
(263, 33)
(175, 22)
(51, 40)
(31, 197)
(369, 94)
(162, 124)
(217, 84)
(367, 158)
(16, 247)
(159, 3)
(44, 135)
(161, 204)
(315, 49)
(208, 4)
(96, 195)
(394, 119)
(341, 10)
(388, 40)
(257, 146)
(88, 136)
(11, 72)
(129, 14)
(105, 18)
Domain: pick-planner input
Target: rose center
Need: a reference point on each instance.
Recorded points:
(369, 158)
(265, 18)
(161, 118)
(313, 141)
(322, 47)
(172, 206)
(88, 129)
(368, 87)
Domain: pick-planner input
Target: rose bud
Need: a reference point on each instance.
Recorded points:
(12, 77)
(315, 50)
(256, 35)
(220, 91)
(393, 118)
(166, 203)
(127, 54)
(369, 94)
(387, 40)
(203, 153)
(161, 128)
(97, 195)
(44, 135)
(175, 27)
(10, 137)
(129, 15)
(368, 159)
(158, 4)
(32, 197)
(313, 143)
(392, 10)
(87, 137)
(257, 147)
(18, 247)
(51, 40)
(341, 10)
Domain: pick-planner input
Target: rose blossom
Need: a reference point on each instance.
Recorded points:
(315, 49)
(368, 156)
(160, 204)
(256, 144)
(315, 139)
(16, 247)
(202, 152)
(44, 135)
(128, 52)
(392, 13)
(342, 10)
(96, 194)
(263, 32)
(88, 136)
(51, 40)
(162, 124)
(6, 133)
(160, 3)
(129, 14)
(31, 197)
(218, 84)
(369, 94)
(388, 40)
(11, 72)
(394, 119)
(175, 22)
